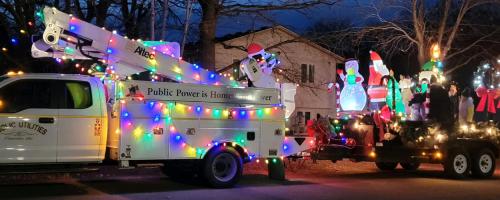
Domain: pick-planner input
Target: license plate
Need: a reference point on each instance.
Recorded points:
(379, 144)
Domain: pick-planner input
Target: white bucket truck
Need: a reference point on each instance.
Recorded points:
(201, 118)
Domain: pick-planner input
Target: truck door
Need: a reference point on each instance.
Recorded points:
(81, 122)
(28, 121)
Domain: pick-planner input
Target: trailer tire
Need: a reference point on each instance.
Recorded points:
(483, 163)
(222, 167)
(386, 166)
(457, 164)
(411, 166)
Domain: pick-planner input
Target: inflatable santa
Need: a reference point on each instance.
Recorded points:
(376, 91)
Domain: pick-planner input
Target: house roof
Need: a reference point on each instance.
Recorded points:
(237, 35)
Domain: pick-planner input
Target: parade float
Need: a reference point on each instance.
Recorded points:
(388, 135)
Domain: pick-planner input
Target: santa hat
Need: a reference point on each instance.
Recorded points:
(254, 48)
(374, 56)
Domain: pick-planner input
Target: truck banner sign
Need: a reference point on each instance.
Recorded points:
(198, 93)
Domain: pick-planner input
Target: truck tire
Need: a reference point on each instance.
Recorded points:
(411, 166)
(457, 164)
(386, 166)
(223, 167)
(483, 163)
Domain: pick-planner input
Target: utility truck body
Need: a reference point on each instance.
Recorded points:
(64, 119)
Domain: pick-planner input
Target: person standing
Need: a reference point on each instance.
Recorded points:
(439, 104)
(453, 94)
(405, 85)
(466, 107)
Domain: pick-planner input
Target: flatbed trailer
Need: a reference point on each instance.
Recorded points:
(468, 150)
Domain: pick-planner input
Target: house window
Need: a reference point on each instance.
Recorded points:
(311, 73)
(308, 116)
(307, 73)
(303, 76)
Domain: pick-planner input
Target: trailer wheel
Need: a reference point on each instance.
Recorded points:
(483, 164)
(457, 164)
(386, 166)
(410, 165)
(223, 167)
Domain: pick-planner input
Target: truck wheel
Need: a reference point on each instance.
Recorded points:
(457, 164)
(223, 167)
(386, 166)
(483, 164)
(410, 165)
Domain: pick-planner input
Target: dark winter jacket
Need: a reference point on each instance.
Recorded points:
(439, 105)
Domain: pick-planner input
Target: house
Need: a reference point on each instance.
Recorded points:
(303, 62)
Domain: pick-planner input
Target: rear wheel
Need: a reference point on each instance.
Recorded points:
(457, 164)
(483, 164)
(410, 165)
(223, 167)
(386, 166)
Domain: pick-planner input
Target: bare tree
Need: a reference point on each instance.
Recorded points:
(133, 13)
(417, 27)
(91, 9)
(164, 21)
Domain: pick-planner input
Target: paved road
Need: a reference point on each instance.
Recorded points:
(343, 180)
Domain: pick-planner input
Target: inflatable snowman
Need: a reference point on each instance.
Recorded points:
(353, 96)
(258, 67)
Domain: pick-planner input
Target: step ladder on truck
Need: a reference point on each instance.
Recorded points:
(199, 119)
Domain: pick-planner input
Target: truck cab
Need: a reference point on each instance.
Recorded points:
(51, 118)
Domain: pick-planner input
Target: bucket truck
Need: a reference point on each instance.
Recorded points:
(198, 119)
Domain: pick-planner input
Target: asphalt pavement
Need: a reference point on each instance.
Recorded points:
(305, 180)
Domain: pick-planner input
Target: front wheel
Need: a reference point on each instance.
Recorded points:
(386, 166)
(223, 167)
(483, 164)
(457, 164)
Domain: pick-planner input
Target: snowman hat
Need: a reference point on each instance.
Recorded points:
(254, 48)
(352, 63)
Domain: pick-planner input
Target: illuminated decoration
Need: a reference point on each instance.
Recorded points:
(376, 91)
(394, 100)
(352, 96)
(164, 113)
(127, 56)
(487, 86)
(434, 67)
(377, 69)
(435, 52)
(259, 65)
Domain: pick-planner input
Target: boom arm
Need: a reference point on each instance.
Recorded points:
(68, 37)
